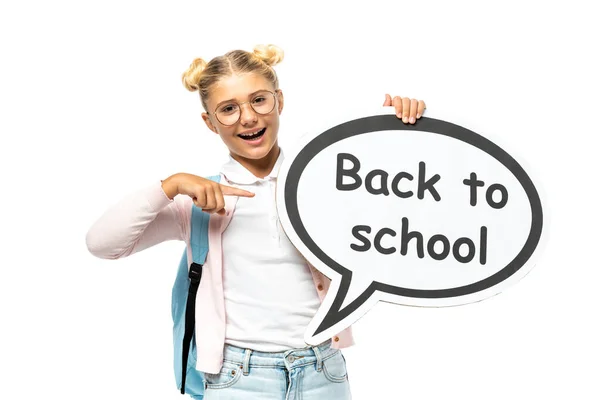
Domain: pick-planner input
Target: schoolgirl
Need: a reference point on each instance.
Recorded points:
(257, 293)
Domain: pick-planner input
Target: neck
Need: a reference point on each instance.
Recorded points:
(261, 167)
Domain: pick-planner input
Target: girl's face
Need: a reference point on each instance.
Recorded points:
(254, 135)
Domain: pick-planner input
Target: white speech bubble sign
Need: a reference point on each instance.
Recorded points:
(430, 214)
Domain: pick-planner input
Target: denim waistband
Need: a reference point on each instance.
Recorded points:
(285, 359)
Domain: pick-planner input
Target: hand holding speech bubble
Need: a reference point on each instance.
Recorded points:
(430, 214)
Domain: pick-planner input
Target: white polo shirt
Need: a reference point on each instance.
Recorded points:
(270, 296)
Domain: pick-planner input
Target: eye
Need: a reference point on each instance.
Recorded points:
(259, 99)
(228, 109)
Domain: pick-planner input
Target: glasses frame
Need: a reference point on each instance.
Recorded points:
(274, 94)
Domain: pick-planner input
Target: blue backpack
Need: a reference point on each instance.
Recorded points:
(183, 305)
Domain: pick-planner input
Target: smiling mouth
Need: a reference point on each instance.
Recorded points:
(253, 136)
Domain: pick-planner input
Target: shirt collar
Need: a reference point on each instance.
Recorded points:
(236, 173)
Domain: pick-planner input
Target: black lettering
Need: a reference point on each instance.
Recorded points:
(377, 241)
(427, 185)
(352, 172)
(431, 247)
(407, 236)
(456, 250)
(490, 193)
(483, 245)
(396, 181)
(473, 183)
(366, 244)
(382, 182)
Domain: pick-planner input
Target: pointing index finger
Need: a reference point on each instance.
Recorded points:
(233, 191)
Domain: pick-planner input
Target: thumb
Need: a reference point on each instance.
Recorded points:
(388, 100)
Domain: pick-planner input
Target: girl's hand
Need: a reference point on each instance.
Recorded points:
(206, 194)
(410, 110)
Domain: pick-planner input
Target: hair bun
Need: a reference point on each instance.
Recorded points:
(269, 54)
(191, 77)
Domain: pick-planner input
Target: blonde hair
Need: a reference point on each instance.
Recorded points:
(201, 76)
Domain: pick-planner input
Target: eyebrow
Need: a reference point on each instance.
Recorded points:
(250, 95)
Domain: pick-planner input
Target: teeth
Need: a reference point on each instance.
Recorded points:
(251, 133)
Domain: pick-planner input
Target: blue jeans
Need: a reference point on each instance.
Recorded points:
(312, 373)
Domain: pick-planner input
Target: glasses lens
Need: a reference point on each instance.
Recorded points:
(228, 114)
(263, 102)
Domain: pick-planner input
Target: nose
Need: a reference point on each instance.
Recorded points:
(247, 114)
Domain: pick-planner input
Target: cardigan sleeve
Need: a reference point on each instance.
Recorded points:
(139, 221)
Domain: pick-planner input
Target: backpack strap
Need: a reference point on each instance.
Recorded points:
(199, 245)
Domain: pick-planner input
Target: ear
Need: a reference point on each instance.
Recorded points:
(280, 100)
(209, 123)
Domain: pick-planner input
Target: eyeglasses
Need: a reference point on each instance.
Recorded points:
(229, 113)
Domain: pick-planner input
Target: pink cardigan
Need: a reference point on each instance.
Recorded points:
(148, 217)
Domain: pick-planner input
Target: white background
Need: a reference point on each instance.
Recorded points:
(92, 108)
